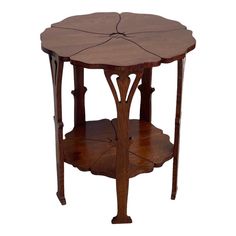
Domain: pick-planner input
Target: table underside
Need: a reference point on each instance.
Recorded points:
(92, 147)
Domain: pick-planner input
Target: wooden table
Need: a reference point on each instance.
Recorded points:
(121, 44)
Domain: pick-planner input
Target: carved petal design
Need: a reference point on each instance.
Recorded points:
(115, 52)
(67, 42)
(107, 40)
(97, 23)
(92, 147)
(135, 23)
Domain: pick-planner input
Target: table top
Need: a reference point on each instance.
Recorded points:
(111, 40)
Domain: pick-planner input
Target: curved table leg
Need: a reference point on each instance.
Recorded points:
(177, 127)
(122, 156)
(57, 69)
(146, 95)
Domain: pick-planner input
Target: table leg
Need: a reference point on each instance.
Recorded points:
(146, 95)
(57, 69)
(79, 92)
(177, 127)
(123, 140)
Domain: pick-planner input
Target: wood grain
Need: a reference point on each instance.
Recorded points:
(57, 70)
(112, 40)
(92, 147)
(123, 103)
(67, 42)
(132, 23)
(146, 91)
(180, 77)
(95, 23)
(121, 44)
(117, 52)
(78, 93)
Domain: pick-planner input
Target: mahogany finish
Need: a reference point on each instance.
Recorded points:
(57, 69)
(79, 92)
(138, 40)
(92, 147)
(121, 44)
(146, 92)
(177, 126)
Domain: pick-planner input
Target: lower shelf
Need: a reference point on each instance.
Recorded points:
(92, 147)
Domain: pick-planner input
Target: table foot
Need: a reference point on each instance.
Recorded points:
(62, 199)
(173, 195)
(121, 220)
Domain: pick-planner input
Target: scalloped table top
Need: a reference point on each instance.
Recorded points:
(108, 40)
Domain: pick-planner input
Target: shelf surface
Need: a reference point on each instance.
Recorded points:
(92, 147)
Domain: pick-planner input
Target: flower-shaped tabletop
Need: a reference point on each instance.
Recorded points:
(104, 40)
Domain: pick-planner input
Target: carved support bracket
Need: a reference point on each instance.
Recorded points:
(180, 78)
(146, 95)
(79, 92)
(122, 155)
(57, 69)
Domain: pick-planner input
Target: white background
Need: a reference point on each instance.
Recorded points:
(205, 203)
